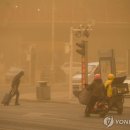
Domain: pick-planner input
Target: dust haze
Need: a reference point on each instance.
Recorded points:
(35, 36)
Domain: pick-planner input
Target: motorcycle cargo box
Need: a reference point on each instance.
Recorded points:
(122, 88)
(118, 80)
(119, 87)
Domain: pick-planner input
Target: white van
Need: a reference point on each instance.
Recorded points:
(93, 68)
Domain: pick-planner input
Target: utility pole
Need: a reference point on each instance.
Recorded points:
(71, 61)
(128, 62)
(82, 34)
(52, 41)
(32, 64)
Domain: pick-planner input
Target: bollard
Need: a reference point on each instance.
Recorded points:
(42, 90)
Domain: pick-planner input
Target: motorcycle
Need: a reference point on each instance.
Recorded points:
(101, 108)
(119, 88)
(111, 104)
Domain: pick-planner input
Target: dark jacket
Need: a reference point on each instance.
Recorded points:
(97, 89)
(16, 80)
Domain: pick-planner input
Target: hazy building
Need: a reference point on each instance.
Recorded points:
(47, 23)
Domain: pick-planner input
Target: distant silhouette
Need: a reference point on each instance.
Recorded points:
(15, 86)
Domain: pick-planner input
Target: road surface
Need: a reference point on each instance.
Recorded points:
(53, 116)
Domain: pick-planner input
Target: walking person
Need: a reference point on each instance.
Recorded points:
(15, 87)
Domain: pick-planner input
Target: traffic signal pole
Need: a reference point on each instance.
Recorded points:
(85, 67)
(71, 61)
(81, 33)
(86, 62)
(83, 51)
(84, 79)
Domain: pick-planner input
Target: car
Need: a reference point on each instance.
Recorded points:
(128, 81)
(93, 68)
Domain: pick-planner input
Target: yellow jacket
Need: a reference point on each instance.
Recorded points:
(108, 87)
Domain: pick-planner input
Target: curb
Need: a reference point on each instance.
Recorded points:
(58, 101)
(51, 101)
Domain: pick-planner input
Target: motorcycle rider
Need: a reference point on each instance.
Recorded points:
(113, 99)
(109, 90)
(97, 91)
(108, 85)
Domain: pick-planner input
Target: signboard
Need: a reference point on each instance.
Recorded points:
(105, 67)
(107, 63)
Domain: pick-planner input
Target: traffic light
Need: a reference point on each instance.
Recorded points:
(81, 49)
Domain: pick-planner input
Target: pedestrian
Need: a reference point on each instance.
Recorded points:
(15, 87)
(97, 91)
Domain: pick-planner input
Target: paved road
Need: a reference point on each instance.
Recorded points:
(53, 116)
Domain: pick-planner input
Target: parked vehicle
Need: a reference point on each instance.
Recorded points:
(127, 81)
(93, 68)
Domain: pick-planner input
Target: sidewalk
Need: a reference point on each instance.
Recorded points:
(59, 94)
(60, 98)
(56, 97)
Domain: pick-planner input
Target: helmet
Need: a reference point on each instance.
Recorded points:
(111, 76)
(97, 76)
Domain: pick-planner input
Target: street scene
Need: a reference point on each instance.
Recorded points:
(64, 65)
